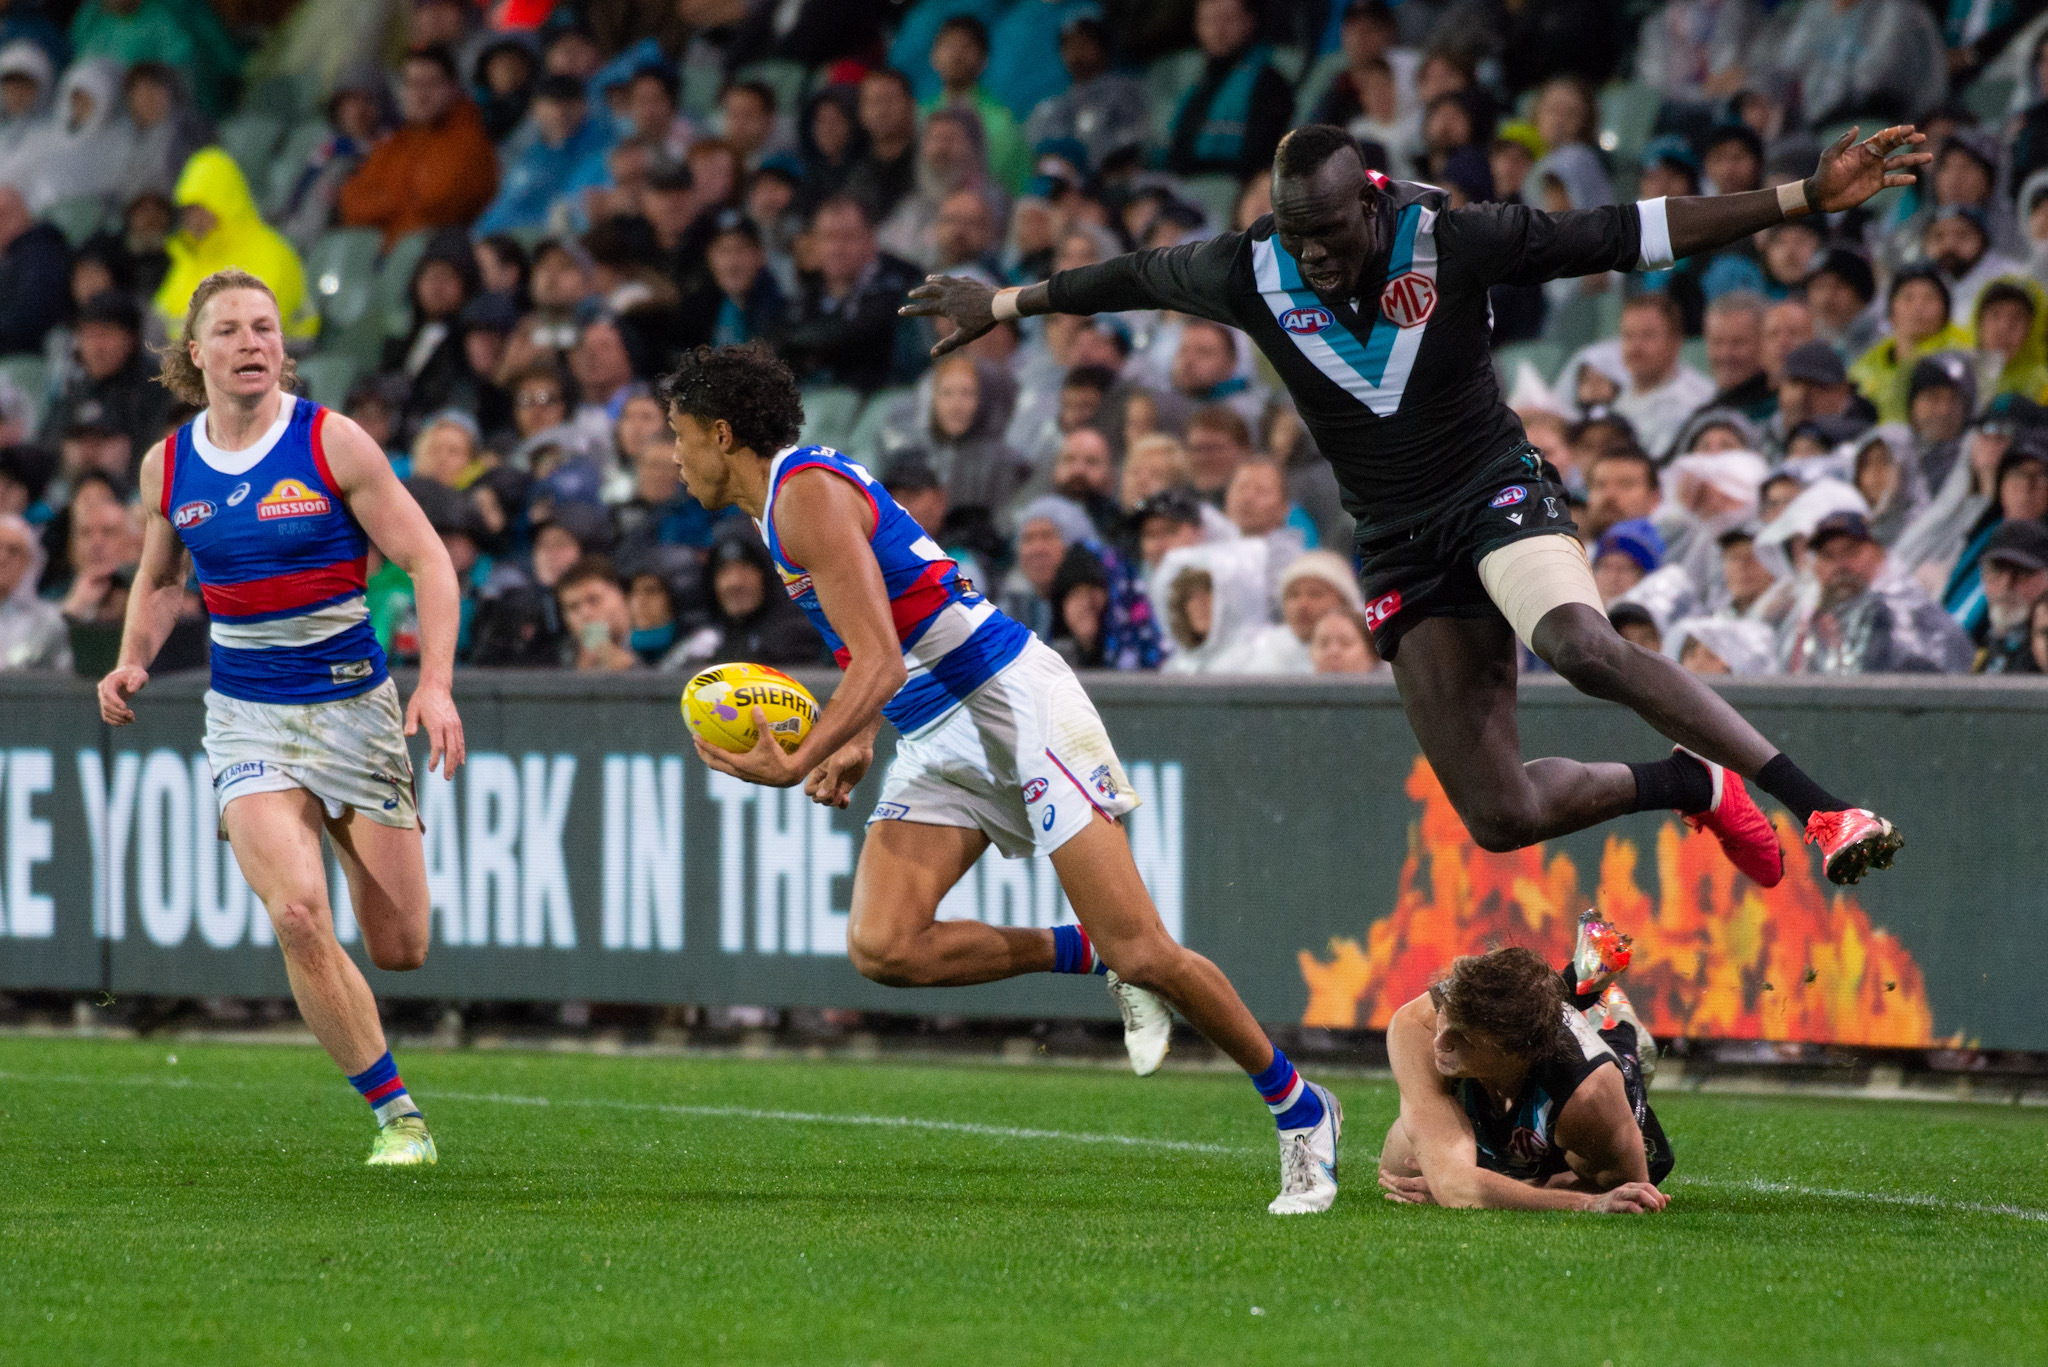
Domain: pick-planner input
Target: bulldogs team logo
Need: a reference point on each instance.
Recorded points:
(1033, 791)
(1104, 782)
(290, 498)
(190, 515)
(1380, 610)
(1509, 497)
(1306, 322)
(1408, 299)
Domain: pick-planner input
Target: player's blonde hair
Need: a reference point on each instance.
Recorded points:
(178, 374)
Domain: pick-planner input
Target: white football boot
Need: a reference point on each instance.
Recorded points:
(1148, 1024)
(1308, 1161)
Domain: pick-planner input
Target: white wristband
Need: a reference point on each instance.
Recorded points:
(1004, 305)
(1792, 199)
(1654, 250)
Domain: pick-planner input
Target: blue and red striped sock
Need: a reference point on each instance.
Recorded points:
(1293, 1104)
(1074, 952)
(380, 1085)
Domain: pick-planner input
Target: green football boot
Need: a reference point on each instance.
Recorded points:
(404, 1143)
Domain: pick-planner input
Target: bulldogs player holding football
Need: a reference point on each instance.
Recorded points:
(999, 745)
(276, 501)
(1369, 296)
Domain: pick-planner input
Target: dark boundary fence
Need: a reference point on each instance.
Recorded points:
(1287, 831)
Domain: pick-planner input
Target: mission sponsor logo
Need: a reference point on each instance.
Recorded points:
(1408, 299)
(1306, 322)
(795, 585)
(1509, 497)
(290, 498)
(189, 515)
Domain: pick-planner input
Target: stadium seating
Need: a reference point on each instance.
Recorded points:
(288, 162)
(1165, 79)
(1628, 113)
(864, 441)
(1215, 195)
(328, 375)
(251, 139)
(342, 269)
(829, 414)
(390, 303)
(787, 79)
(1315, 83)
(1547, 357)
(30, 375)
(78, 217)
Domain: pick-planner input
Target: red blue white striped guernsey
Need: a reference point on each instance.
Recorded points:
(954, 640)
(281, 561)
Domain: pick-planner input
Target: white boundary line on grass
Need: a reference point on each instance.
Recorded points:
(1911, 1200)
(1885, 1198)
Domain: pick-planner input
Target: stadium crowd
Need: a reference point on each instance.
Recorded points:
(1823, 451)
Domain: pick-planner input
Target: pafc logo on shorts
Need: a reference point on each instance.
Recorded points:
(1379, 611)
(289, 498)
(1306, 322)
(1509, 497)
(1408, 299)
(190, 515)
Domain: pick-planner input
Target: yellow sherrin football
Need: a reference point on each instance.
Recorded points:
(718, 706)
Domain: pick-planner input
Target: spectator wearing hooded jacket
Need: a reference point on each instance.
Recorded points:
(161, 127)
(567, 150)
(2019, 494)
(1918, 310)
(33, 634)
(2010, 321)
(438, 170)
(79, 148)
(504, 72)
(26, 78)
(1216, 604)
(219, 227)
(114, 372)
(751, 617)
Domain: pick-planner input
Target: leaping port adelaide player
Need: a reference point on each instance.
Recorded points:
(276, 502)
(1369, 296)
(999, 744)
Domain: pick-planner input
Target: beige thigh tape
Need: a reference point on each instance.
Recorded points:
(1527, 578)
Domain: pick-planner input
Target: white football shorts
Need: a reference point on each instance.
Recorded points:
(349, 753)
(1024, 759)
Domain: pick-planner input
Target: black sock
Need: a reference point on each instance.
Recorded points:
(1785, 781)
(1678, 784)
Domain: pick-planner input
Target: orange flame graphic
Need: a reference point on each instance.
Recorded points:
(1715, 955)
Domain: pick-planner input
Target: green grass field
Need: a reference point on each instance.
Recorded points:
(607, 1210)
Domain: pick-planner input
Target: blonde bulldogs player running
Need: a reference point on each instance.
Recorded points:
(999, 744)
(277, 500)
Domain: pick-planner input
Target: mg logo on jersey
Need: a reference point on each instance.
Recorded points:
(290, 498)
(190, 515)
(1306, 322)
(1408, 299)
(1509, 497)
(1380, 610)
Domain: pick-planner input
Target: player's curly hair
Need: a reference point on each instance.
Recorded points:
(1508, 995)
(746, 385)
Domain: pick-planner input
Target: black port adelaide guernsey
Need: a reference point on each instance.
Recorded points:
(1397, 385)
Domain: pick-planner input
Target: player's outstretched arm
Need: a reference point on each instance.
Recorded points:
(401, 531)
(1447, 1152)
(1849, 173)
(1193, 278)
(823, 522)
(153, 600)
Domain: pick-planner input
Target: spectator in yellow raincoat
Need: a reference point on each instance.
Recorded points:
(1917, 309)
(219, 226)
(2011, 323)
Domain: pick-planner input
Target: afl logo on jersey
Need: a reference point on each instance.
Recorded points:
(290, 498)
(1306, 322)
(1408, 299)
(1509, 497)
(190, 515)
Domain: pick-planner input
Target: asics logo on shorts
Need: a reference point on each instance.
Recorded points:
(1380, 610)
